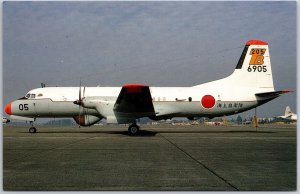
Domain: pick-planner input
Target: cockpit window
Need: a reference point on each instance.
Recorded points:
(30, 96)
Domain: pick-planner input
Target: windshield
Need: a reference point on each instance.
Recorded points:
(30, 96)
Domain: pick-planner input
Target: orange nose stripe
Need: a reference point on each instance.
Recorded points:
(7, 109)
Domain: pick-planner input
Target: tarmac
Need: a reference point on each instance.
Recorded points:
(161, 158)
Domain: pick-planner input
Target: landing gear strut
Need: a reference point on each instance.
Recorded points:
(133, 129)
(32, 129)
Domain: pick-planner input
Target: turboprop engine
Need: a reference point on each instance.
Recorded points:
(86, 120)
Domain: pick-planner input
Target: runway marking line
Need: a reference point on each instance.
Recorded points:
(201, 163)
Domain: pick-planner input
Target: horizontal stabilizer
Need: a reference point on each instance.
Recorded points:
(274, 94)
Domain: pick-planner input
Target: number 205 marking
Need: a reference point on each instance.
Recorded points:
(258, 68)
(23, 107)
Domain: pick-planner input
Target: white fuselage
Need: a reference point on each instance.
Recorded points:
(167, 101)
(292, 117)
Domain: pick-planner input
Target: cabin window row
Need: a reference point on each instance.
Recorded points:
(164, 99)
(159, 98)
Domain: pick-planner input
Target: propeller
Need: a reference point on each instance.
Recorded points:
(80, 103)
(80, 99)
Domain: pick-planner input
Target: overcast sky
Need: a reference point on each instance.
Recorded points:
(155, 43)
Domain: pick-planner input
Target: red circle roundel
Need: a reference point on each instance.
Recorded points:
(208, 101)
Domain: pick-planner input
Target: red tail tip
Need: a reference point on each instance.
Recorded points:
(256, 42)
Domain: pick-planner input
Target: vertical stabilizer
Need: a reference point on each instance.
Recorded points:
(288, 111)
(254, 66)
(252, 71)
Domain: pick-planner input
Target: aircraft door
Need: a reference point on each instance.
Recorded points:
(41, 108)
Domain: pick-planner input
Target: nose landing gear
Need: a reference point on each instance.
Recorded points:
(32, 129)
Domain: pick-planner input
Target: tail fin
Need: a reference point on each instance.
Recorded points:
(288, 111)
(254, 67)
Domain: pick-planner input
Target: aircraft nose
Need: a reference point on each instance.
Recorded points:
(7, 109)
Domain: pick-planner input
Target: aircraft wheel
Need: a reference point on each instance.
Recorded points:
(32, 130)
(133, 129)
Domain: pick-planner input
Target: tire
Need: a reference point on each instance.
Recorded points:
(32, 130)
(133, 129)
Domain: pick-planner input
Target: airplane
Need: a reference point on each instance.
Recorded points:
(5, 120)
(249, 86)
(288, 115)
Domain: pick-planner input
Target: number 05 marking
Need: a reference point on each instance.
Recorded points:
(23, 107)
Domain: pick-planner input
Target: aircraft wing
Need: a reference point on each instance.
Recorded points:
(274, 94)
(135, 99)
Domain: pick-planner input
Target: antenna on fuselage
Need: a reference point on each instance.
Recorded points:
(43, 85)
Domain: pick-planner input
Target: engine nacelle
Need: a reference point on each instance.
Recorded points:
(86, 120)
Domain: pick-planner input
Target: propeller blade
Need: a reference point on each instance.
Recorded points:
(79, 91)
(83, 93)
(81, 112)
(79, 101)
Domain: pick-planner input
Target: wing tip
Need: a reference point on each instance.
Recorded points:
(286, 91)
(134, 88)
(133, 85)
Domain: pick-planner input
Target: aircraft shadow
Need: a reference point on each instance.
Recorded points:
(142, 133)
(146, 133)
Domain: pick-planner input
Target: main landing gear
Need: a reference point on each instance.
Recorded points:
(133, 129)
(32, 129)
